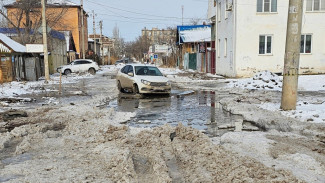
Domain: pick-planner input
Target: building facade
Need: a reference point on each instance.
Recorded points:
(159, 36)
(61, 16)
(250, 36)
(194, 44)
(106, 45)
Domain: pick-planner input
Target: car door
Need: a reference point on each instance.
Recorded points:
(123, 76)
(81, 66)
(85, 65)
(75, 66)
(129, 79)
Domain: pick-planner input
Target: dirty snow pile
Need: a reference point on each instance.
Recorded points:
(306, 111)
(170, 71)
(15, 88)
(262, 80)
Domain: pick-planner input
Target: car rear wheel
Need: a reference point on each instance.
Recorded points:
(67, 71)
(135, 89)
(92, 71)
(119, 86)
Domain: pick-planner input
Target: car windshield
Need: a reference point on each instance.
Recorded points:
(147, 71)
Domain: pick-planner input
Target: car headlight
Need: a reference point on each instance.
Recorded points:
(145, 82)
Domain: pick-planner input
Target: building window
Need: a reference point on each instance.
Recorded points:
(193, 47)
(226, 7)
(225, 49)
(218, 48)
(305, 44)
(219, 12)
(265, 46)
(267, 6)
(315, 5)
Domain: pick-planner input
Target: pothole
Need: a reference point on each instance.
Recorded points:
(198, 109)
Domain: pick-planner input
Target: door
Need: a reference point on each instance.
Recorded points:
(75, 66)
(129, 79)
(192, 61)
(213, 62)
(123, 76)
(30, 69)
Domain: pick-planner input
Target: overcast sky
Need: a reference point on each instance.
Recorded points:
(133, 15)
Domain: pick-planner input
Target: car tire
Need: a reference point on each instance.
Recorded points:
(135, 89)
(119, 87)
(92, 71)
(67, 72)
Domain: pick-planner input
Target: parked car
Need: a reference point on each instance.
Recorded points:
(122, 61)
(142, 79)
(119, 62)
(81, 65)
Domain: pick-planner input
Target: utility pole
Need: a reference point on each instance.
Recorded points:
(101, 41)
(182, 14)
(46, 56)
(292, 56)
(82, 30)
(94, 32)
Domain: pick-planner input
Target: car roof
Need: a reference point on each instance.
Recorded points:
(142, 65)
(83, 60)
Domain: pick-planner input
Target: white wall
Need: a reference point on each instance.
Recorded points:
(243, 39)
(225, 29)
(314, 23)
(211, 9)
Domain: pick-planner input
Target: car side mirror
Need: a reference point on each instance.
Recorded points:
(130, 74)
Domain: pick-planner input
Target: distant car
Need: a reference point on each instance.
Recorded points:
(122, 61)
(82, 65)
(119, 62)
(142, 79)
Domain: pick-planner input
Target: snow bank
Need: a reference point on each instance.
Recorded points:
(313, 111)
(15, 88)
(170, 71)
(267, 80)
(262, 80)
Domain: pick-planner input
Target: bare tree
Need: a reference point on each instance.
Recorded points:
(138, 47)
(26, 14)
(118, 43)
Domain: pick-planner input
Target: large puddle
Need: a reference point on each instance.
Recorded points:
(198, 109)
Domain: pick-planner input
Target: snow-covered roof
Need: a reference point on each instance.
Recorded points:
(61, 2)
(50, 2)
(196, 35)
(15, 46)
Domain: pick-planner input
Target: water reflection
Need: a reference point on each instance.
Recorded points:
(199, 110)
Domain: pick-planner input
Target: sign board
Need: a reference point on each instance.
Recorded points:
(155, 56)
(202, 48)
(34, 48)
(160, 49)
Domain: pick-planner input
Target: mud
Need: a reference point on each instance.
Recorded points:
(85, 142)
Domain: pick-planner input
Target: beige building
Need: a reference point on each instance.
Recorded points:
(160, 36)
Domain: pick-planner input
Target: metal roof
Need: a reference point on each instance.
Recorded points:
(7, 44)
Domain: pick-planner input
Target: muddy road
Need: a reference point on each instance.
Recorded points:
(103, 136)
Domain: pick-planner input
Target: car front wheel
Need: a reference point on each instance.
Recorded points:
(67, 71)
(135, 89)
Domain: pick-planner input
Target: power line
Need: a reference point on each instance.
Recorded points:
(166, 17)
